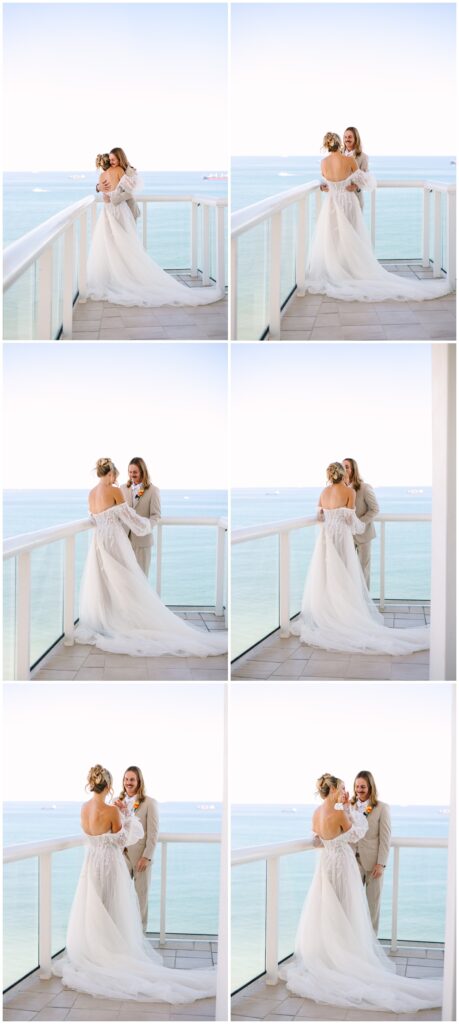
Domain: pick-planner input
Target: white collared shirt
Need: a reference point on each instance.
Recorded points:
(362, 805)
(135, 488)
(348, 152)
(130, 800)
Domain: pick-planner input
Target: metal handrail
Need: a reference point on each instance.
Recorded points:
(45, 849)
(272, 853)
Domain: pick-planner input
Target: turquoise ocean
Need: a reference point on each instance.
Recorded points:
(255, 564)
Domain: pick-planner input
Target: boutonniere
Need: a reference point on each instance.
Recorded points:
(136, 806)
(367, 811)
(139, 493)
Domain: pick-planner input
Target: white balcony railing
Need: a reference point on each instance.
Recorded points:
(283, 531)
(21, 548)
(36, 251)
(269, 212)
(272, 853)
(44, 852)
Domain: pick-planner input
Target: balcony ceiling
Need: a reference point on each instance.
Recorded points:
(318, 318)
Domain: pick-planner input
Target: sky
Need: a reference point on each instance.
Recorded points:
(174, 732)
(296, 408)
(300, 70)
(165, 402)
(83, 78)
(291, 733)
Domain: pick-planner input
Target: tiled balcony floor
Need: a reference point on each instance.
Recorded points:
(288, 659)
(82, 662)
(319, 318)
(105, 321)
(33, 999)
(260, 1001)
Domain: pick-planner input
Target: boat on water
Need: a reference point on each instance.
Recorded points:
(215, 176)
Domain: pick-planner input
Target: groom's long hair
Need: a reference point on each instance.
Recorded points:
(373, 795)
(144, 471)
(356, 479)
(141, 794)
(358, 141)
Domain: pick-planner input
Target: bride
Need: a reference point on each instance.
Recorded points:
(337, 612)
(119, 268)
(338, 959)
(107, 954)
(119, 611)
(342, 263)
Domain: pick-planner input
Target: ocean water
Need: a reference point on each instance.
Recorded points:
(399, 214)
(255, 564)
(192, 877)
(422, 887)
(189, 557)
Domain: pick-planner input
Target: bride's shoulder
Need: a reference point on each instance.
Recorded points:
(118, 495)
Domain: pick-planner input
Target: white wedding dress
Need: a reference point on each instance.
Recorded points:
(119, 610)
(107, 954)
(342, 263)
(338, 960)
(337, 612)
(121, 271)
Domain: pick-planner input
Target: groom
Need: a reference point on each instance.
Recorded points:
(372, 852)
(366, 509)
(139, 857)
(144, 497)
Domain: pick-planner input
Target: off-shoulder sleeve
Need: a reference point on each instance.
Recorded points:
(138, 524)
(359, 827)
(353, 521)
(364, 180)
(131, 831)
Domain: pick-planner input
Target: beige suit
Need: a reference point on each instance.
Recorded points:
(148, 506)
(366, 508)
(374, 849)
(148, 814)
(362, 163)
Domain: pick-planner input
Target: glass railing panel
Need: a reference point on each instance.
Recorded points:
(288, 250)
(248, 923)
(444, 235)
(20, 928)
(188, 565)
(253, 282)
(421, 896)
(255, 592)
(295, 877)
(47, 606)
(213, 241)
(199, 235)
(9, 618)
(193, 871)
(57, 292)
(20, 307)
(301, 548)
(169, 234)
(66, 867)
(399, 213)
(82, 542)
(407, 561)
(76, 260)
(225, 217)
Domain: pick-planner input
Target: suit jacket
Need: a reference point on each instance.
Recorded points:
(148, 814)
(362, 164)
(148, 506)
(366, 508)
(374, 848)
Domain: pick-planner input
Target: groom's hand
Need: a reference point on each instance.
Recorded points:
(142, 864)
(121, 804)
(377, 871)
(324, 188)
(352, 188)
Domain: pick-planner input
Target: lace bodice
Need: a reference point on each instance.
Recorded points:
(108, 520)
(364, 180)
(338, 521)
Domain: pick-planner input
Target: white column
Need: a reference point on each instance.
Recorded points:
(194, 239)
(162, 907)
(159, 558)
(220, 246)
(272, 920)
(222, 1008)
(373, 216)
(69, 591)
(395, 882)
(45, 294)
(443, 588)
(426, 229)
(284, 583)
(82, 269)
(23, 616)
(301, 245)
(233, 289)
(67, 282)
(205, 245)
(45, 915)
(220, 570)
(451, 238)
(437, 235)
(449, 975)
(275, 276)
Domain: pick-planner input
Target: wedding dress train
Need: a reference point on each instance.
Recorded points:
(338, 960)
(119, 610)
(342, 263)
(337, 612)
(107, 954)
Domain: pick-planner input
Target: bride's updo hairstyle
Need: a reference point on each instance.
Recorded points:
(332, 142)
(326, 783)
(104, 467)
(99, 779)
(103, 161)
(335, 472)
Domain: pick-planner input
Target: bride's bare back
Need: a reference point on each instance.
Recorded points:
(337, 167)
(104, 496)
(329, 823)
(337, 496)
(111, 177)
(98, 818)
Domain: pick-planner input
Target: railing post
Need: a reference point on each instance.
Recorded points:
(67, 282)
(69, 591)
(24, 579)
(93, 216)
(382, 566)
(45, 294)
(272, 920)
(275, 276)
(82, 268)
(284, 583)
(205, 244)
(395, 881)
(220, 570)
(426, 229)
(437, 235)
(144, 224)
(162, 909)
(451, 238)
(318, 204)
(233, 289)
(194, 239)
(159, 558)
(301, 246)
(373, 216)
(220, 246)
(45, 912)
